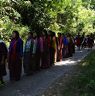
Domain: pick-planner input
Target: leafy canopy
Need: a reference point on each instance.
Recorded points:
(57, 15)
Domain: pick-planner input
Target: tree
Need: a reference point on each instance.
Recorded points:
(56, 15)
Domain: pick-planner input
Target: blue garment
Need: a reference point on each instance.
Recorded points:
(19, 47)
(65, 41)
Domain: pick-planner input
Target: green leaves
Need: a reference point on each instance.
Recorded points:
(56, 15)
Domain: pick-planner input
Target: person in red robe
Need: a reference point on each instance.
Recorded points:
(15, 57)
(60, 46)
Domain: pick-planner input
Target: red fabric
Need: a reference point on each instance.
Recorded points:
(14, 55)
(60, 49)
(77, 41)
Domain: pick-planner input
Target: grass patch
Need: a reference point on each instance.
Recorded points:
(83, 84)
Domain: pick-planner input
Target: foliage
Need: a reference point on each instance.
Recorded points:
(57, 15)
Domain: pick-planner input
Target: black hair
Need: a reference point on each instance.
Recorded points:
(59, 34)
(53, 34)
(17, 34)
(30, 33)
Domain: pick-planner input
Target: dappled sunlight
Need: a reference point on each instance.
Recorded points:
(38, 33)
(75, 59)
(84, 64)
(67, 62)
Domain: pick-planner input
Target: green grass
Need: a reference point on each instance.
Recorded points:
(83, 84)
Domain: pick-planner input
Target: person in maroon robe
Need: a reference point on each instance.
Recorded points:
(15, 57)
(59, 47)
(45, 56)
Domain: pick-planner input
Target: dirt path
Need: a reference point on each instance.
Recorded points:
(57, 87)
(37, 84)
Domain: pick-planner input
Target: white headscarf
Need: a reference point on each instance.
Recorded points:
(1, 41)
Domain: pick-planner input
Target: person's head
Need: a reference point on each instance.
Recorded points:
(30, 35)
(48, 33)
(78, 33)
(69, 35)
(59, 34)
(34, 35)
(87, 35)
(52, 34)
(15, 35)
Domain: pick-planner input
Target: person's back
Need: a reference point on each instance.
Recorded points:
(65, 41)
(78, 41)
(3, 56)
(3, 50)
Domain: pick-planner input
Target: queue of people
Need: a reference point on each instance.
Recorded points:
(40, 51)
(84, 41)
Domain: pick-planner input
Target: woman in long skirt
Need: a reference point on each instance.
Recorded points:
(45, 57)
(70, 45)
(15, 57)
(65, 46)
(78, 41)
(39, 51)
(90, 41)
(60, 46)
(3, 57)
(53, 49)
(28, 55)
